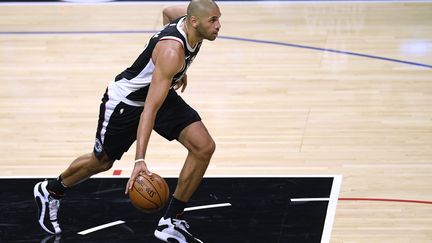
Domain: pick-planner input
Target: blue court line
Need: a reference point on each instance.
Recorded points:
(77, 32)
(221, 37)
(326, 50)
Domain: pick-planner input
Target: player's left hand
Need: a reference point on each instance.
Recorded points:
(181, 83)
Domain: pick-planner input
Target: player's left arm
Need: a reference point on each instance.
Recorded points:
(173, 12)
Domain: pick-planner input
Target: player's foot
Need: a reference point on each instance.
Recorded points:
(174, 231)
(48, 208)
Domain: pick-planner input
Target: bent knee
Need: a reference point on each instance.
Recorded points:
(107, 165)
(104, 163)
(205, 149)
(211, 147)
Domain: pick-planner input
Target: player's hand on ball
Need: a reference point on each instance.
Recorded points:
(140, 166)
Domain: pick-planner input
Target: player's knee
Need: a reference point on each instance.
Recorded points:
(211, 147)
(206, 149)
(103, 163)
(106, 164)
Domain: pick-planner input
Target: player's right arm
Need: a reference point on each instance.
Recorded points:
(173, 12)
(168, 58)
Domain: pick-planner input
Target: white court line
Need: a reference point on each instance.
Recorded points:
(88, 231)
(208, 206)
(309, 199)
(91, 230)
(331, 209)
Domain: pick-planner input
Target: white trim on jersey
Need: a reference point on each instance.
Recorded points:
(180, 29)
(172, 38)
(114, 98)
(113, 101)
(123, 87)
(117, 89)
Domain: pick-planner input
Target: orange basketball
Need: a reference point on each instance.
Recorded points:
(149, 194)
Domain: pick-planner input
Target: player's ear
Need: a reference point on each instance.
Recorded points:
(194, 21)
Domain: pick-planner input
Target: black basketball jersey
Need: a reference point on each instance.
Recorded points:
(133, 82)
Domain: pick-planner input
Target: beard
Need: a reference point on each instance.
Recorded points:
(205, 35)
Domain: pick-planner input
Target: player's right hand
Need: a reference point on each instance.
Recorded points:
(139, 167)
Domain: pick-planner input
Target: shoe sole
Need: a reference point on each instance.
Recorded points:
(167, 238)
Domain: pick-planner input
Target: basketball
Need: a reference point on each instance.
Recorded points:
(149, 194)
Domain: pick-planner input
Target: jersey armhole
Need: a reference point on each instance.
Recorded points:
(172, 38)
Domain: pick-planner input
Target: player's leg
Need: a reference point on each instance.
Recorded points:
(116, 132)
(48, 193)
(200, 146)
(79, 170)
(84, 167)
(177, 120)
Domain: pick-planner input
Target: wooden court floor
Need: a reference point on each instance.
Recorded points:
(301, 88)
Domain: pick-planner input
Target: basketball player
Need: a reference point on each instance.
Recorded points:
(141, 98)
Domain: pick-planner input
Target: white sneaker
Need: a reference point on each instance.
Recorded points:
(47, 208)
(174, 231)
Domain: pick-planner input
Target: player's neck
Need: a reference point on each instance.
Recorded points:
(191, 36)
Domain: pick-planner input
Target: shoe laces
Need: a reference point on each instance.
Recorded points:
(181, 223)
(54, 205)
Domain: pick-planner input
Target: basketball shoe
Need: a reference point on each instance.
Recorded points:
(48, 208)
(174, 231)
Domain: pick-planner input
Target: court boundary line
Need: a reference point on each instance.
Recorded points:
(100, 227)
(118, 222)
(269, 42)
(208, 206)
(317, 199)
(331, 208)
(327, 50)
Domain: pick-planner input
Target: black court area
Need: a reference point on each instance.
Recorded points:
(237, 209)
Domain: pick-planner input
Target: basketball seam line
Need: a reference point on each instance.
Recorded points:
(157, 191)
(145, 197)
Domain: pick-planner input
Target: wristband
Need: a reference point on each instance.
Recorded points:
(139, 160)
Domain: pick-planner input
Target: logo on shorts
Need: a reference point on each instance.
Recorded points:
(98, 145)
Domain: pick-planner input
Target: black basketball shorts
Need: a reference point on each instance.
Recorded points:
(118, 123)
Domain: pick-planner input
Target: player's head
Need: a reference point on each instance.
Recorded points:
(203, 16)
